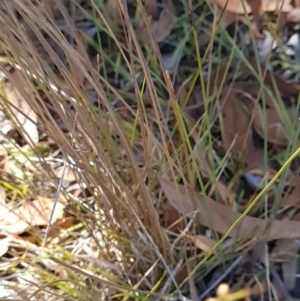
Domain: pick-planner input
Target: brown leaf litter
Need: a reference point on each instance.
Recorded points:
(220, 218)
(160, 24)
(254, 6)
(274, 82)
(240, 111)
(28, 215)
(236, 133)
(292, 196)
(235, 121)
(268, 124)
(240, 116)
(294, 15)
(161, 21)
(232, 9)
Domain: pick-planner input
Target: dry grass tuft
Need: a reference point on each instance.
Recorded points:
(115, 242)
(105, 137)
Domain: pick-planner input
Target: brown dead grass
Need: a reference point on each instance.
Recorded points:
(119, 219)
(103, 141)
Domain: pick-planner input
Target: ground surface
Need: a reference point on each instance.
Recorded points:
(149, 151)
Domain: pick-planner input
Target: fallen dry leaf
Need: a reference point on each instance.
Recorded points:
(255, 6)
(62, 223)
(235, 121)
(192, 102)
(293, 214)
(254, 90)
(152, 9)
(202, 242)
(292, 197)
(276, 5)
(233, 6)
(220, 218)
(161, 27)
(269, 126)
(225, 194)
(294, 15)
(68, 173)
(28, 215)
(254, 157)
(169, 216)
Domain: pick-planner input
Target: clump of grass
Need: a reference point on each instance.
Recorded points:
(108, 111)
(116, 244)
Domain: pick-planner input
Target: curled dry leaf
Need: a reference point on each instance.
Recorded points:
(277, 5)
(294, 15)
(161, 27)
(234, 6)
(236, 127)
(256, 7)
(238, 7)
(62, 223)
(220, 218)
(202, 242)
(30, 214)
(272, 126)
(235, 121)
(253, 156)
(69, 174)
